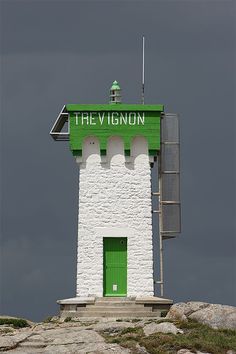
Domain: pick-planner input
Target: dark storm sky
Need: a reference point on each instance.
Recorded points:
(58, 52)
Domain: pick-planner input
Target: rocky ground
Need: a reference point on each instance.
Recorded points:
(193, 327)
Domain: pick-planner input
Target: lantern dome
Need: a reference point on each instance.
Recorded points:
(115, 86)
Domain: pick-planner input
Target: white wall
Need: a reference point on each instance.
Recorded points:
(115, 201)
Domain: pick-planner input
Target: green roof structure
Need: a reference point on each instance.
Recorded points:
(115, 86)
(106, 120)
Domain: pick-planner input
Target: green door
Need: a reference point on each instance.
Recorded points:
(115, 266)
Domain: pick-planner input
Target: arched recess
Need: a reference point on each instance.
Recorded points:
(91, 149)
(139, 148)
(115, 149)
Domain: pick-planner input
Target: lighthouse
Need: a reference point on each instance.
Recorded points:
(115, 146)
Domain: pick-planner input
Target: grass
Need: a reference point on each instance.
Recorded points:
(68, 319)
(133, 320)
(6, 330)
(196, 337)
(14, 322)
(47, 319)
(85, 323)
(164, 313)
(128, 337)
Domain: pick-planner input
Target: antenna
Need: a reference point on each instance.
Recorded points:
(143, 42)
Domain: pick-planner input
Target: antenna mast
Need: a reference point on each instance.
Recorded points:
(143, 42)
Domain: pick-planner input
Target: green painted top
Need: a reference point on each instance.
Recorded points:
(115, 86)
(124, 120)
(108, 107)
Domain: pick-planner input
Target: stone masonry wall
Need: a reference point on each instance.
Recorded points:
(115, 201)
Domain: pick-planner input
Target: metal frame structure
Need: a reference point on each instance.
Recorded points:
(166, 234)
(55, 132)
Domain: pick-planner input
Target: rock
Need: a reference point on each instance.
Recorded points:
(177, 312)
(214, 315)
(111, 327)
(181, 310)
(164, 327)
(187, 351)
(86, 337)
(60, 340)
(12, 341)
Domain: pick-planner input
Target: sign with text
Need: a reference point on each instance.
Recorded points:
(110, 118)
(104, 121)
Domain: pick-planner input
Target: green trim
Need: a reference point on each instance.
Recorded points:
(103, 152)
(112, 295)
(153, 152)
(77, 152)
(115, 103)
(108, 107)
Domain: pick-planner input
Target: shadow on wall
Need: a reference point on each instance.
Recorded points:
(115, 152)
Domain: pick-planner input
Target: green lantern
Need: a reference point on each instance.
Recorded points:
(115, 93)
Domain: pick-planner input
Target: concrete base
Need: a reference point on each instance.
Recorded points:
(116, 307)
(153, 300)
(77, 300)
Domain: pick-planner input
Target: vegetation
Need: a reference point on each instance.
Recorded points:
(81, 323)
(128, 337)
(134, 320)
(6, 330)
(68, 319)
(87, 323)
(196, 337)
(14, 322)
(47, 319)
(164, 313)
